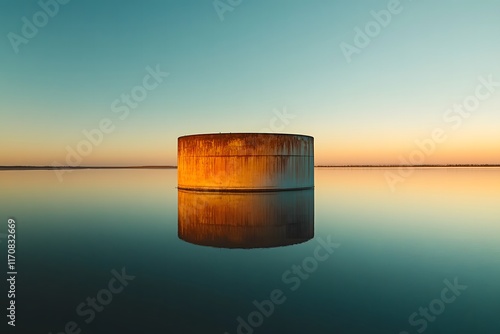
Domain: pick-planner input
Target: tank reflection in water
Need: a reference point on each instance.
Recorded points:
(246, 220)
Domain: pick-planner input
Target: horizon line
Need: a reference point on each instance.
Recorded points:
(28, 167)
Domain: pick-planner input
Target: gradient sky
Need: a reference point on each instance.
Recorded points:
(234, 75)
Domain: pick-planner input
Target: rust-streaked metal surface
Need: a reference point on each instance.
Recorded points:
(246, 220)
(245, 162)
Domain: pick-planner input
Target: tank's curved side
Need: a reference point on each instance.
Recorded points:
(245, 162)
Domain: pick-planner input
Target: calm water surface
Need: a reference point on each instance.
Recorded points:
(353, 256)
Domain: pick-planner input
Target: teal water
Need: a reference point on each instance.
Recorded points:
(390, 254)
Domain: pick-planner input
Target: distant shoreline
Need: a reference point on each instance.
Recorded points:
(406, 166)
(175, 167)
(83, 167)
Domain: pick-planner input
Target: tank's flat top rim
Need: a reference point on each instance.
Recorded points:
(245, 133)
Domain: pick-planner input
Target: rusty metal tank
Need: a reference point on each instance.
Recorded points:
(245, 162)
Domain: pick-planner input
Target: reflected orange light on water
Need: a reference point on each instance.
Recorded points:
(246, 220)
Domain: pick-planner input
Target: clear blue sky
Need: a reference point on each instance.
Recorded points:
(235, 74)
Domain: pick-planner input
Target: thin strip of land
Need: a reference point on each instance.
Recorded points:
(82, 167)
(414, 166)
(175, 167)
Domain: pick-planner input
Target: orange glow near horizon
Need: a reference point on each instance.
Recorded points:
(480, 145)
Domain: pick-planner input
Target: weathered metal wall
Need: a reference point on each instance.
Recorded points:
(245, 162)
(246, 220)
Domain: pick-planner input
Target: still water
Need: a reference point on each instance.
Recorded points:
(122, 251)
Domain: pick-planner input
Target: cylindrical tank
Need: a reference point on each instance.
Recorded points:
(246, 220)
(245, 162)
